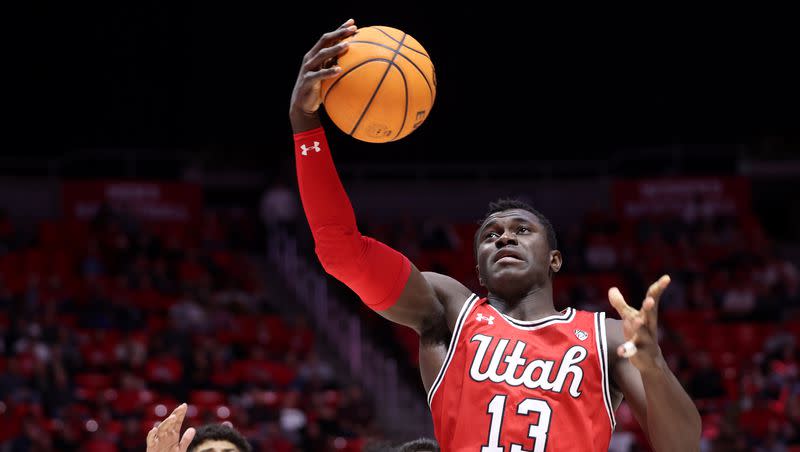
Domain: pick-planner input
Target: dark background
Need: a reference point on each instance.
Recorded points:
(217, 78)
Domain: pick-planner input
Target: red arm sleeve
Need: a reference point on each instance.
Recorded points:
(374, 271)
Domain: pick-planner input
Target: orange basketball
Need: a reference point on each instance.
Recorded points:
(386, 88)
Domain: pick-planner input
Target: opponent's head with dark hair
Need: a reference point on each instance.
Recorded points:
(218, 438)
(515, 247)
(419, 445)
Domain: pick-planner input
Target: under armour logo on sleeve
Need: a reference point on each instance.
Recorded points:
(305, 148)
(489, 320)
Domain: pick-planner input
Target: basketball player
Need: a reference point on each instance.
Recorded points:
(208, 438)
(518, 375)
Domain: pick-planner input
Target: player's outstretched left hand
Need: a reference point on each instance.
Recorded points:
(164, 438)
(640, 327)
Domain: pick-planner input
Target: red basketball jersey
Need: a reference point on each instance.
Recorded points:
(513, 386)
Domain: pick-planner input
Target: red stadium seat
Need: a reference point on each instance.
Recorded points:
(100, 445)
(166, 369)
(349, 444)
(757, 421)
(256, 371)
(272, 399)
(206, 398)
(128, 401)
(681, 318)
(93, 380)
(50, 234)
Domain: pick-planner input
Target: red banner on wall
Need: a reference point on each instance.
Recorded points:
(158, 202)
(701, 196)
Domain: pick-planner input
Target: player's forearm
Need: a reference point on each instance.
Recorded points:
(374, 271)
(673, 422)
(324, 199)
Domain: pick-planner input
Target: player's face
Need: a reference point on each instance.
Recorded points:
(214, 445)
(512, 246)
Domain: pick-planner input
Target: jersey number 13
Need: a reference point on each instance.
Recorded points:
(536, 431)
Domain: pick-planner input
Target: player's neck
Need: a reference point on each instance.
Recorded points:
(534, 305)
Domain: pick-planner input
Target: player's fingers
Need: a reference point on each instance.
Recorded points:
(151, 437)
(618, 302)
(328, 39)
(630, 327)
(650, 313)
(318, 60)
(347, 23)
(657, 288)
(165, 426)
(180, 413)
(654, 291)
(322, 74)
(188, 436)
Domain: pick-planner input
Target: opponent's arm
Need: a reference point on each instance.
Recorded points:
(660, 404)
(384, 279)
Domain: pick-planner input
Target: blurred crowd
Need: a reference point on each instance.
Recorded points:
(107, 325)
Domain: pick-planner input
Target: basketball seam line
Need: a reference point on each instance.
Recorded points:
(405, 111)
(351, 70)
(375, 93)
(430, 88)
(402, 45)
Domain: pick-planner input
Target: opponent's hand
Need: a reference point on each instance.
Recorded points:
(640, 327)
(164, 438)
(306, 97)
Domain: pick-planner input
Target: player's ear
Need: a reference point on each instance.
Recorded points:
(555, 261)
(480, 278)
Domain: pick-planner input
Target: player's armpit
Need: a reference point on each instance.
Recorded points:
(450, 293)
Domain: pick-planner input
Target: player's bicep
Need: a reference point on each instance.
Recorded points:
(428, 299)
(625, 377)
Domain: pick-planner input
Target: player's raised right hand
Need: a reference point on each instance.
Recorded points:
(306, 97)
(165, 437)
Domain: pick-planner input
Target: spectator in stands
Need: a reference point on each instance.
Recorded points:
(274, 441)
(34, 437)
(188, 315)
(600, 253)
(356, 411)
(279, 208)
(315, 370)
(705, 381)
(438, 234)
(131, 437)
(739, 301)
(13, 383)
(293, 420)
